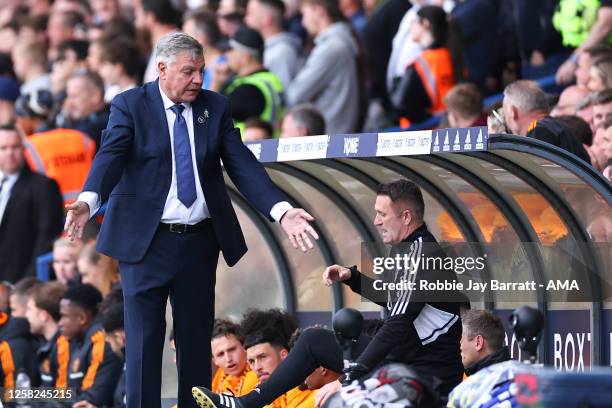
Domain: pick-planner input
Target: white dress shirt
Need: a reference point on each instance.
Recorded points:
(174, 210)
(5, 192)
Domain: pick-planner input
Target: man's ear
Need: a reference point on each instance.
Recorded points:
(161, 68)
(407, 216)
(514, 112)
(283, 354)
(480, 342)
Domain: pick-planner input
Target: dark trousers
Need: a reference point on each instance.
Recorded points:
(182, 266)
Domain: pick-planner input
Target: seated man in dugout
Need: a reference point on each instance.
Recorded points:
(234, 374)
(421, 330)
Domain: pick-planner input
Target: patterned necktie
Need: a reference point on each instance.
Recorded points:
(185, 178)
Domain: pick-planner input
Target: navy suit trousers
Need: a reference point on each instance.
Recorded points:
(183, 267)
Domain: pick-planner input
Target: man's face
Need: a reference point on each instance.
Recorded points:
(601, 113)
(57, 31)
(235, 59)
(11, 152)
(596, 82)
(189, 28)
(228, 354)
(35, 316)
(597, 149)
(310, 19)
(390, 220)
(469, 352)
(255, 15)
(18, 305)
(290, 129)
(82, 98)
(263, 359)
(181, 80)
(62, 69)
(72, 319)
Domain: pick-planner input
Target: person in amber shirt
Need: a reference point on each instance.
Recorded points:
(234, 374)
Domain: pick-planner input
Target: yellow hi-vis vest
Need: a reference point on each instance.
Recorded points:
(272, 89)
(573, 19)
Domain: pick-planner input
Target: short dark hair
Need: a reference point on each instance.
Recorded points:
(25, 286)
(465, 99)
(603, 97)
(599, 51)
(122, 51)
(577, 127)
(163, 10)
(119, 27)
(486, 324)
(406, 192)
(85, 297)
(80, 48)
(111, 311)
(47, 297)
(71, 18)
(331, 7)
(224, 328)
(267, 326)
(278, 6)
(206, 23)
(260, 124)
(309, 117)
(93, 78)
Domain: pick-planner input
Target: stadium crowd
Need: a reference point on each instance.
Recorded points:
(289, 68)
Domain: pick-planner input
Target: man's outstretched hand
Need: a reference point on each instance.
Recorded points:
(77, 217)
(295, 223)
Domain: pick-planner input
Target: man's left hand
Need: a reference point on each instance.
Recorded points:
(296, 225)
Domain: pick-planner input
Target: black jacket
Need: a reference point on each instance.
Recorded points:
(17, 353)
(94, 368)
(551, 131)
(499, 356)
(33, 218)
(422, 329)
(53, 360)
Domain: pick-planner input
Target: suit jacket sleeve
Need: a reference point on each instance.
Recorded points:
(245, 171)
(109, 162)
(48, 219)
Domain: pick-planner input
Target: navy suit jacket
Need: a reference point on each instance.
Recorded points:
(133, 171)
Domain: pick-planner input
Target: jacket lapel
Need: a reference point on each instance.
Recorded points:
(16, 193)
(156, 116)
(200, 130)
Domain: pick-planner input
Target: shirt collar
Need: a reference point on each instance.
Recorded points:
(168, 102)
(10, 177)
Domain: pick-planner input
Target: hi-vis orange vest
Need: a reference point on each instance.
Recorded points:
(64, 155)
(435, 67)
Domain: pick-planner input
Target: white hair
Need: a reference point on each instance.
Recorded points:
(175, 43)
(527, 96)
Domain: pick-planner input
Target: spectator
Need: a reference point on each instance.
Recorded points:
(120, 66)
(71, 59)
(112, 318)
(256, 129)
(602, 107)
(584, 109)
(34, 27)
(600, 75)
(230, 16)
(33, 111)
(65, 257)
(482, 341)
(329, 79)
(104, 11)
(420, 92)
(464, 106)
(597, 33)
(43, 315)
(29, 61)
(9, 91)
(599, 158)
(526, 108)
(158, 17)
(202, 25)
(607, 145)
(62, 27)
(303, 120)
(84, 108)
(476, 20)
(18, 348)
(8, 36)
(568, 100)
(228, 354)
(31, 215)
(94, 369)
(20, 295)
(254, 92)
(585, 62)
(97, 269)
(354, 12)
(282, 49)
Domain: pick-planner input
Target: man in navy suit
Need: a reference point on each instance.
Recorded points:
(169, 213)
